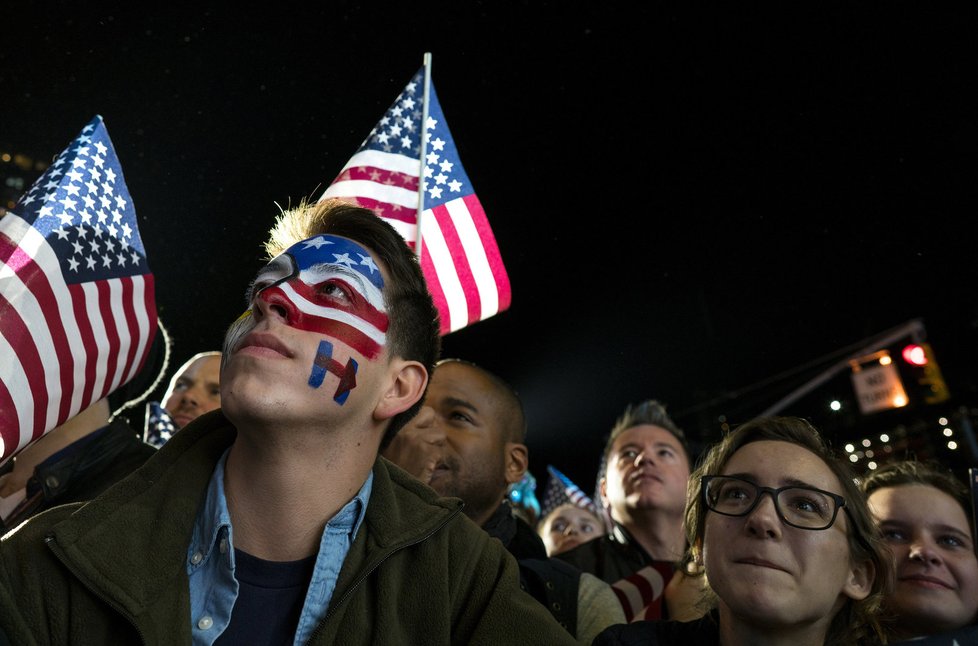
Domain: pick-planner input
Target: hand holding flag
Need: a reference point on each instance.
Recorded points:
(459, 256)
(77, 299)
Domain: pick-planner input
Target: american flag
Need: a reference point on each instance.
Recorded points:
(560, 490)
(640, 594)
(459, 256)
(77, 299)
(159, 425)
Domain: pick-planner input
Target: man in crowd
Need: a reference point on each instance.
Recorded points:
(273, 520)
(194, 389)
(646, 468)
(468, 442)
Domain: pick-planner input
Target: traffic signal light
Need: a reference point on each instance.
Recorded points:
(915, 355)
(922, 370)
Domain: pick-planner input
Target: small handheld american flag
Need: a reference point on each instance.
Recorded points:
(560, 490)
(459, 255)
(77, 299)
(159, 425)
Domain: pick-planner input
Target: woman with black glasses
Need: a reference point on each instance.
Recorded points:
(776, 522)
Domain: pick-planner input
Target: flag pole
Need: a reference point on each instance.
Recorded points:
(424, 143)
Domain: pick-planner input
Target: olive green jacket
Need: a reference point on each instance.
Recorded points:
(114, 570)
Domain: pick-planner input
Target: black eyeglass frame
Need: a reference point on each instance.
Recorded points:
(840, 501)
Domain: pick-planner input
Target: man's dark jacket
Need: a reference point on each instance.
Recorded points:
(552, 582)
(81, 470)
(114, 570)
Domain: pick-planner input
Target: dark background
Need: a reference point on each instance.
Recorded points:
(699, 207)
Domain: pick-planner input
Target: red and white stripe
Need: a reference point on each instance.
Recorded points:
(64, 346)
(640, 593)
(461, 261)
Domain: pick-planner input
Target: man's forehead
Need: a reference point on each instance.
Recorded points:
(643, 434)
(454, 372)
(465, 384)
(338, 251)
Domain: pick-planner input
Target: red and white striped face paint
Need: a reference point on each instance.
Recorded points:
(328, 285)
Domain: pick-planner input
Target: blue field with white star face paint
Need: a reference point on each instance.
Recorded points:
(328, 249)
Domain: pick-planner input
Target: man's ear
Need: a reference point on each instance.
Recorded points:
(603, 490)
(406, 387)
(517, 461)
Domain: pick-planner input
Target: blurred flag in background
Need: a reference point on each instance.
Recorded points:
(560, 490)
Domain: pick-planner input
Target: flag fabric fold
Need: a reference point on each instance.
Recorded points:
(459, 254)
(77, 297)
(561, 490)
(159, 426)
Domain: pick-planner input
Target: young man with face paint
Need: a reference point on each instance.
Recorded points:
(273, 519)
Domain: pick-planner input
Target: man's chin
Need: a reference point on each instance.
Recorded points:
(644, 502)
(441, 482)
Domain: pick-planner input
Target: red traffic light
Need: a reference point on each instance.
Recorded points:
(915, 355)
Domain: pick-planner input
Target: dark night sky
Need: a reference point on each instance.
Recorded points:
(687, 204)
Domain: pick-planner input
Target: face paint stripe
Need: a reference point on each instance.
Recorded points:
(360, 308)
(329, 313)
(365, 289)
(348, 334)
(320, 365)
(354, 339)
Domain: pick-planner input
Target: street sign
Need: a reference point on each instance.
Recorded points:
(877, 383)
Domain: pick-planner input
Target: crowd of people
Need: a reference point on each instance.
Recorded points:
(327, 477)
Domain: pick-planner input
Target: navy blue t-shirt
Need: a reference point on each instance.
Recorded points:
(269, 603)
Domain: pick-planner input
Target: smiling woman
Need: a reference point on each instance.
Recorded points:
(924, 512)
(777, 524)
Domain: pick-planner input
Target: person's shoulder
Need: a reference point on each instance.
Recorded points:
(586, 553)
(701, 631)
(211, 432)
(406, 485)
(552, 569)
(402, 507)
(638, 633)
(213, 419)
(30, 535)
(961, 636)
